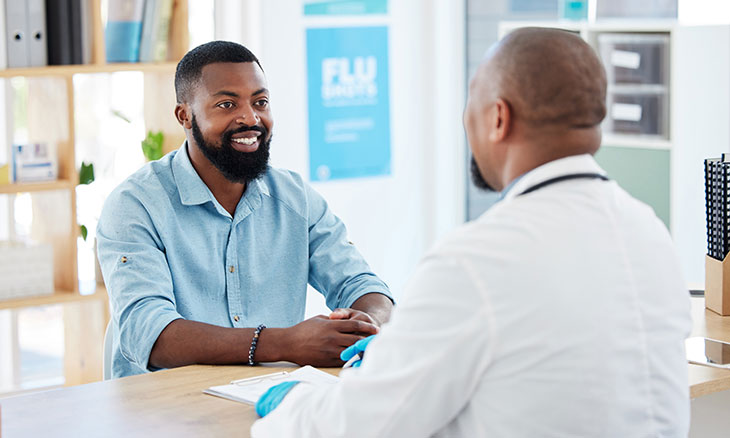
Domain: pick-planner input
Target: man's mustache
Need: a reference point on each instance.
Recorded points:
(245, 128)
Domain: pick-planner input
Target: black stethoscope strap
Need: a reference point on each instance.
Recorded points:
(562, 178)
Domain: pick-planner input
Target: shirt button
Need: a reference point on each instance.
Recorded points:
(236, 318)
(123, 259)
(231, 269)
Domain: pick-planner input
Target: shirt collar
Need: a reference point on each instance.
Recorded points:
(574, 164)
(193, 190)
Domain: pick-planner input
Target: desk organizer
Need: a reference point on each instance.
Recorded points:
(717, 211)
(717, 285)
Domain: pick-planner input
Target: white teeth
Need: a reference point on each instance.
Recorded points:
(246, 141)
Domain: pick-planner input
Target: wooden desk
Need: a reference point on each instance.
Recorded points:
(706, 380)
(171, 402)
(165, 403)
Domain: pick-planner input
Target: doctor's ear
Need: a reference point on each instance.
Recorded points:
(500, 120)
(183, 115)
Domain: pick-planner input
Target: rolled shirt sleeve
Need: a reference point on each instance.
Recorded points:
(337, 269)
(137, 275)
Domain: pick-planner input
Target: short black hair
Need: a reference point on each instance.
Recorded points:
(190, 67)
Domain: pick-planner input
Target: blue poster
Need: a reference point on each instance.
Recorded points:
(345, 7)
(349, 105)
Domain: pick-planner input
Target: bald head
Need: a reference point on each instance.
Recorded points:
(550, 78)
(538, 96)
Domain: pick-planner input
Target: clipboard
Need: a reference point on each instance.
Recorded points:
(251, 389)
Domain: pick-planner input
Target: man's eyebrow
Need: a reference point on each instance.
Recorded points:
(226, 93)
(261, 91)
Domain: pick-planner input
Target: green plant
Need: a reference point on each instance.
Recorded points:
(86, 176)
(86, 173)
(152, 145)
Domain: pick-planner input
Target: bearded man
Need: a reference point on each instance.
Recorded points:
(207, 252)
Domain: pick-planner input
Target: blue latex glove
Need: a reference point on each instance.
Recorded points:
(358, 348)
(271, 398)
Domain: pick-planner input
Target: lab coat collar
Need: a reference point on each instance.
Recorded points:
(574, 164)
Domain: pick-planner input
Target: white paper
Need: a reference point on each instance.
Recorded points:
(250, 390)
(626, 111)
(622, 58)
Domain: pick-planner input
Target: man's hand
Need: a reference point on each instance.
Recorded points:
(319, 341)
(353, 314)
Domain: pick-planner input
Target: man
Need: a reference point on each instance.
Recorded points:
(558, 313)
(207, 252)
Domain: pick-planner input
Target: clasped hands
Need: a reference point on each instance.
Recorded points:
(320, 340)
(274, 395)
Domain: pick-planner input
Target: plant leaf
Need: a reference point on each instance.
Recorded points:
(86, 173)
(152, 145)
(84, 231)
(121, 116)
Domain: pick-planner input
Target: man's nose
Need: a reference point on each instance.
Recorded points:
(247, 116)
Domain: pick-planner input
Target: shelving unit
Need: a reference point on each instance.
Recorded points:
(85, 316)
(70, 70)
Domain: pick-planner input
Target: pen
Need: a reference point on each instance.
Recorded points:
(352, 360)
(256, 379)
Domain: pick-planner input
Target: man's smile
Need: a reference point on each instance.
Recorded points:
(246, 141)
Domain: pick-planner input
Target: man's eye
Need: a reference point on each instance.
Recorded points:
(226, 105)
(262, 103)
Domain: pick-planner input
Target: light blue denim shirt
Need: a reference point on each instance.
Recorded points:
(169, 250)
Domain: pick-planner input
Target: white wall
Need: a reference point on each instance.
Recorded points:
(393, 219)
(701, 106)
(694, 12)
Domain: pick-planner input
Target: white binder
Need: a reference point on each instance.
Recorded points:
(37, 43)
(3, 37)
(16, 33)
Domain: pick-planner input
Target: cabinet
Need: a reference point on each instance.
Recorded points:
(51, 110)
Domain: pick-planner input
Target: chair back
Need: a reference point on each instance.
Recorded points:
(107, 358)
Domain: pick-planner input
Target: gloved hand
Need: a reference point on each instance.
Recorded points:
(271, 398)
(356, 348)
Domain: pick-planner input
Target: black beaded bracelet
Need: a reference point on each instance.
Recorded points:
(255, 341)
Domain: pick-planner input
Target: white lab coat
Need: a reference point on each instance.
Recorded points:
(559, 313)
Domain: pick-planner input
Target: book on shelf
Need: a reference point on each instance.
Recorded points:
(87, 34)
(123, 30)
(58, 24)
(76, 20)
(155, 31)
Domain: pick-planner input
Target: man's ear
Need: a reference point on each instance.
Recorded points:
(500, 121)
(183, 115)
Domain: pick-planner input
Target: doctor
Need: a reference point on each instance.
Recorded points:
(559, 312)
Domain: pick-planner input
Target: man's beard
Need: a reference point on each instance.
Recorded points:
(478, 179)
(236, 166)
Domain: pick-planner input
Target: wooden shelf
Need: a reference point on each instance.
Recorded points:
(37, 187)
(58, 297)
(70, 70)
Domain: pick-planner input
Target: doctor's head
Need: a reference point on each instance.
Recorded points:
(538, 95)
(223, 105)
